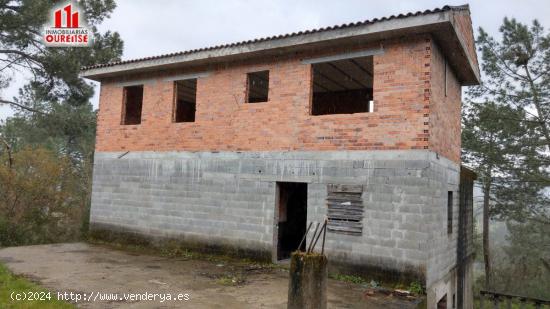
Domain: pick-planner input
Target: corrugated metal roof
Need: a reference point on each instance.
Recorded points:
(282, 36)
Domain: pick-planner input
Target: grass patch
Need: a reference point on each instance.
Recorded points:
(10, 283)
(230, 280)
(348, 278)
(415, 287)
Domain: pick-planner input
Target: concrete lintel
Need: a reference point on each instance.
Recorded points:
(167, 79)
(136, 82)
(186, 76)
(343, 56)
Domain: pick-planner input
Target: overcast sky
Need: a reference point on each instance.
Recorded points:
(163, 26)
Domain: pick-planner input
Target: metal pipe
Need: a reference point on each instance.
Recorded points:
(311, 242)
(318, 235)
(304, 238)
(324, 237)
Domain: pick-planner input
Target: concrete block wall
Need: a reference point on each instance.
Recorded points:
(441, 245)
(227, 199)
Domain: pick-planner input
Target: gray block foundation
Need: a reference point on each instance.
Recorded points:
(228, 199)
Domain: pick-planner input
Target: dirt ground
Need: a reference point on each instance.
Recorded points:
(98, 271)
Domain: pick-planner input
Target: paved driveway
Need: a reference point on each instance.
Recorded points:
(93, 271)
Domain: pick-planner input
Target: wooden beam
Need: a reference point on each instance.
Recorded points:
(345, 74)
(361, 67)
(330, 79)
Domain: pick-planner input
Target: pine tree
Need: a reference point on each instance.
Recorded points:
(490, 132)
(508, 140)
(53, 71)
(54, 119)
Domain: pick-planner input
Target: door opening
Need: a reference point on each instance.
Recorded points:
(292, 218)
(442, 303)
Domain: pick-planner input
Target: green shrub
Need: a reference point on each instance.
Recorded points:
(416, 288)
(42, 198)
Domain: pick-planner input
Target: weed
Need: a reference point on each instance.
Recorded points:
(416, 288)
(348, 278)
(231, 280)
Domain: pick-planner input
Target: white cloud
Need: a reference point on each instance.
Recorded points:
(157, 27)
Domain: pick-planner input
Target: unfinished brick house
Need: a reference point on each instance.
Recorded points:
(237, 147)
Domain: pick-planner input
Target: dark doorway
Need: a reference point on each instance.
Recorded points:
(442, 303)
(185, 104)
(292, 217)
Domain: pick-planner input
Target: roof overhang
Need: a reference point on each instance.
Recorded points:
(440, 24)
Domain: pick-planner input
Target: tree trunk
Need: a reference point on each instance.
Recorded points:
(486, 250)
(542, 117)
(8, 150)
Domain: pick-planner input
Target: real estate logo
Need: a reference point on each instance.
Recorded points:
(66, 28)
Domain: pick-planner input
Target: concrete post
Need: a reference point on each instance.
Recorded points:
(308, 281)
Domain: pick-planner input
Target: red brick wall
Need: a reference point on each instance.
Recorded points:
(223, 122)
(445, 130)
(463, 24)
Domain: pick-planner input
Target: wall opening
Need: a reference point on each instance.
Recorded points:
(343, 86)
(442, 303)
(185, 100)
(450, 212)
(133, 102)
(292, 208)
(257, 89)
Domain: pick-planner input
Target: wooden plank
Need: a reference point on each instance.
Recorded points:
(344, 195)
(346, 211)
(346, 217)
(345, 228)
(345, 188)
(344, 198)
(346, 203)
(358, 229)
(355, 226)
(354, 212)
(345, 222)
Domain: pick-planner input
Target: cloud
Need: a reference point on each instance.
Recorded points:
(158, 27)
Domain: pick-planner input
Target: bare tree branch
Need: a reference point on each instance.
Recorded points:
(10, 63)
(18, 52)
(30, 109)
